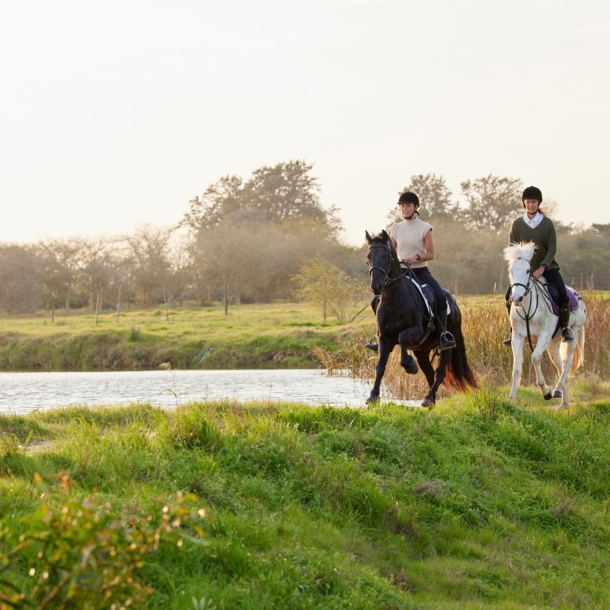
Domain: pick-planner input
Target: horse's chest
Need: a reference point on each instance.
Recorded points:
(391, 321)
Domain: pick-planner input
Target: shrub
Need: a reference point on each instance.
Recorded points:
(84, 553)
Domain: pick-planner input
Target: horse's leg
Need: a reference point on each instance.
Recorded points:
(384, 353)
(541, 344)
(423, 359)
(438, 377)
(553, 349)
(406, 360)
(517, 345)
(566, 366)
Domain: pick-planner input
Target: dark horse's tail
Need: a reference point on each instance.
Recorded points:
(459, 374)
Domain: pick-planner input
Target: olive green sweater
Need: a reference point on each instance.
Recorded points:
(544, 236)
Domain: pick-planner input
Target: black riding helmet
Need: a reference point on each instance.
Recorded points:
(532, 192)
(409, 197)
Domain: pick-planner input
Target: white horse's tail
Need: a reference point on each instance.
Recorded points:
(578, 358)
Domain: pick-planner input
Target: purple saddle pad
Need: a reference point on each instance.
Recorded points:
(573, 300)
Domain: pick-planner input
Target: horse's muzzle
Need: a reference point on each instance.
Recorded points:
(376, 287)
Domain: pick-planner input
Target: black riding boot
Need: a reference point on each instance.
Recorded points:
(374, 347)
(510, 330)
(447, 340)
(564, 322)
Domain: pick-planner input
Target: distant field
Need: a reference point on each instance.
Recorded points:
(277, 335)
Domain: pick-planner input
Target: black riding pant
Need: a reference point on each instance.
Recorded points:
(552, 276)
(425, 277)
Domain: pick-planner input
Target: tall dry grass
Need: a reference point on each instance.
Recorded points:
(485, 324)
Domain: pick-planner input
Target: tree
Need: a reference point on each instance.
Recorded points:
(492, 202)
(156, 264)
(286, 191)
(97, 263)
(322, 283)
(21, 290)
(220, 199)
(226, 256)
(63, 256)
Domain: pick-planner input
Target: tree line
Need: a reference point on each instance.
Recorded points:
(254, 240)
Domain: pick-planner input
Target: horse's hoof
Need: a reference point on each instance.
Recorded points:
(557, 394)
(372, 399)
(428, 403)
(412, 368)
(548, 396)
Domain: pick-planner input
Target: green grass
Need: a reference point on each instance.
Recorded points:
(277, 335)
(477, 504)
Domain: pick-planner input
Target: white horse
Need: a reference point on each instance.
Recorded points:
(531, 315)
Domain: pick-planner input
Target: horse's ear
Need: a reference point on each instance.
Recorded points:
(369, 239)
(385, 236)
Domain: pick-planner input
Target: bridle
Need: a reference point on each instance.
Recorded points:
(387, 280)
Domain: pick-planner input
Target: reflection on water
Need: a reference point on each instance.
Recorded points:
(24, 392)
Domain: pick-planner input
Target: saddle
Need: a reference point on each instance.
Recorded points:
(553, 295)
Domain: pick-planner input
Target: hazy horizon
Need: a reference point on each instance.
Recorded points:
(116, 114)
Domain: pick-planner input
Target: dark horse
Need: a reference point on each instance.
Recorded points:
(402, 318)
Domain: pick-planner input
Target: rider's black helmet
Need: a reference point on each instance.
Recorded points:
(532, 192)
(408, 197)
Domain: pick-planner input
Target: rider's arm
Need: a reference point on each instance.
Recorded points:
(512, 237)
(551, 246)
(428, 255)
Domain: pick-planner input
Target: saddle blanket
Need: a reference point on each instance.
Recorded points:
(571, 296)
(428, 296)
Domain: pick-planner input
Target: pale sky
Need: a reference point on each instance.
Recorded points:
(116, 113)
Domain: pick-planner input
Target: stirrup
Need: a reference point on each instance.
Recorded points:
(447, 341)
(374, 347)
(567, 335)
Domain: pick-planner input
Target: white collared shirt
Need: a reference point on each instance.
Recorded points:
(534, 222)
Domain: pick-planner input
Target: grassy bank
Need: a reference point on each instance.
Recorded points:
(478, 504)
(251, 336)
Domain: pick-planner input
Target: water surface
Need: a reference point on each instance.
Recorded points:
(21, 393)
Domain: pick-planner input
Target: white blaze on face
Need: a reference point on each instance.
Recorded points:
(519, 275)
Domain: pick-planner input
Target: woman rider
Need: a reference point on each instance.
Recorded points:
(534, 226)
(412, 239)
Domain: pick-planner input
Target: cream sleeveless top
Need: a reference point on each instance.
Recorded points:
(409, 236)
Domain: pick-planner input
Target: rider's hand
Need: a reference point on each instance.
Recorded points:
(538, 272)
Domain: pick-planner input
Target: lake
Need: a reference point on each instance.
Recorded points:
(21, 393)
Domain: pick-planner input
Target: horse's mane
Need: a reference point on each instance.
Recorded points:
(515, 251)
